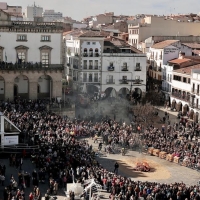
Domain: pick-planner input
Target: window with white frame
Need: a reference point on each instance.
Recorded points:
(21, 57)
(22, 37)
(45, 59)
(96, 64)
(45, 38)
(85, 64)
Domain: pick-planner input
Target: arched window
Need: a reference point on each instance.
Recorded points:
(97, 52)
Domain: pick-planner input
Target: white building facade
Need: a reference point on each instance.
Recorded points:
(124, 72)
(31, 59)
(32, 11)
(51, 15)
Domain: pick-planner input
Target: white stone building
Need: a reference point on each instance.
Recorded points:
(123, 69)
(31, 59)
(84, 49)
(90, 58)
(185, 94)
(32, 11)
(51, 15)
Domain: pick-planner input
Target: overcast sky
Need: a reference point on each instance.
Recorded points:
(78, 9)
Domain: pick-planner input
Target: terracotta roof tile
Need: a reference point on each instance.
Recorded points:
(187, 70)
(192, 45)
(179, 61)
(164, 44)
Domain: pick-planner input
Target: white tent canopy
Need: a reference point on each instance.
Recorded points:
(113, 93)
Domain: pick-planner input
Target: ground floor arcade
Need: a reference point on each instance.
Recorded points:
(30, 84)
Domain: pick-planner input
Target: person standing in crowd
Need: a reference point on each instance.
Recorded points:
(116, 167)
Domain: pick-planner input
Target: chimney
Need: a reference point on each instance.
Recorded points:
(181, 55)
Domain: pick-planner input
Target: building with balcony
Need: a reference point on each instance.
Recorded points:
(31, 59)
(185, 91)
(84, 59)
(123, 69)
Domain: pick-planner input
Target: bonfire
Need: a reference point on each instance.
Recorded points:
(142, 166)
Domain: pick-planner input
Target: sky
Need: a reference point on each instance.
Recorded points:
(78, 9)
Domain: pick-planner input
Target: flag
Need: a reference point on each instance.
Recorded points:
(5, 57)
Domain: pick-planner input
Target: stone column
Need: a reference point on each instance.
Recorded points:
(33, 90)
(9, 91)
(56, 89)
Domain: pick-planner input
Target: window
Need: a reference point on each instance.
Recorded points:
(88, 43)
(124, 78)
(137, 79)
(85, 64)
(90, 52)
(184, 80)
(45, 53)
(84, 77)
(93, 42)
(90, 64)
(45, 59)
(188, 80)
(111, 64)
(45, 38)
(90, 78)
(95, 77)
(96, 64)
(124, 67)
(137, 68)
(21, 57)
(110, 79)
(177, 78)
(21, 37)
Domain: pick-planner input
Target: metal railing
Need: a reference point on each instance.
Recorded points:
(95, 80)
(29, 66)
(90, 54)
(110, 81)
(111, 68)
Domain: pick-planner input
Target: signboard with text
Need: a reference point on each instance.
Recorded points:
(170, 50)
(11, 140)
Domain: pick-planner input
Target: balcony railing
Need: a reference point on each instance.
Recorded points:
(138, 69)
(110, 81)
(124, 68)
(181, 96)
(111, 68)
(90, 54)
(74, 79)
(29, 66)
(123, 81)
(95, 80)
(164, 78)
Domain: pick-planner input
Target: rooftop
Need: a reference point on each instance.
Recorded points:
(179, 61)
(91, 34)
(192, 45)
(163, 44)
(187, 70)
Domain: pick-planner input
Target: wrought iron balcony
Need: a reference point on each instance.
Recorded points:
(164, 78)
(30, 66)
(85, 54)
(181, 96)
(111, 68)
(123, 81)
(90, 80)
(110, 81)
(138, 68)
(124, 68)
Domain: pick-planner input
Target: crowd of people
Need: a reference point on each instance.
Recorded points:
(63, 158)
